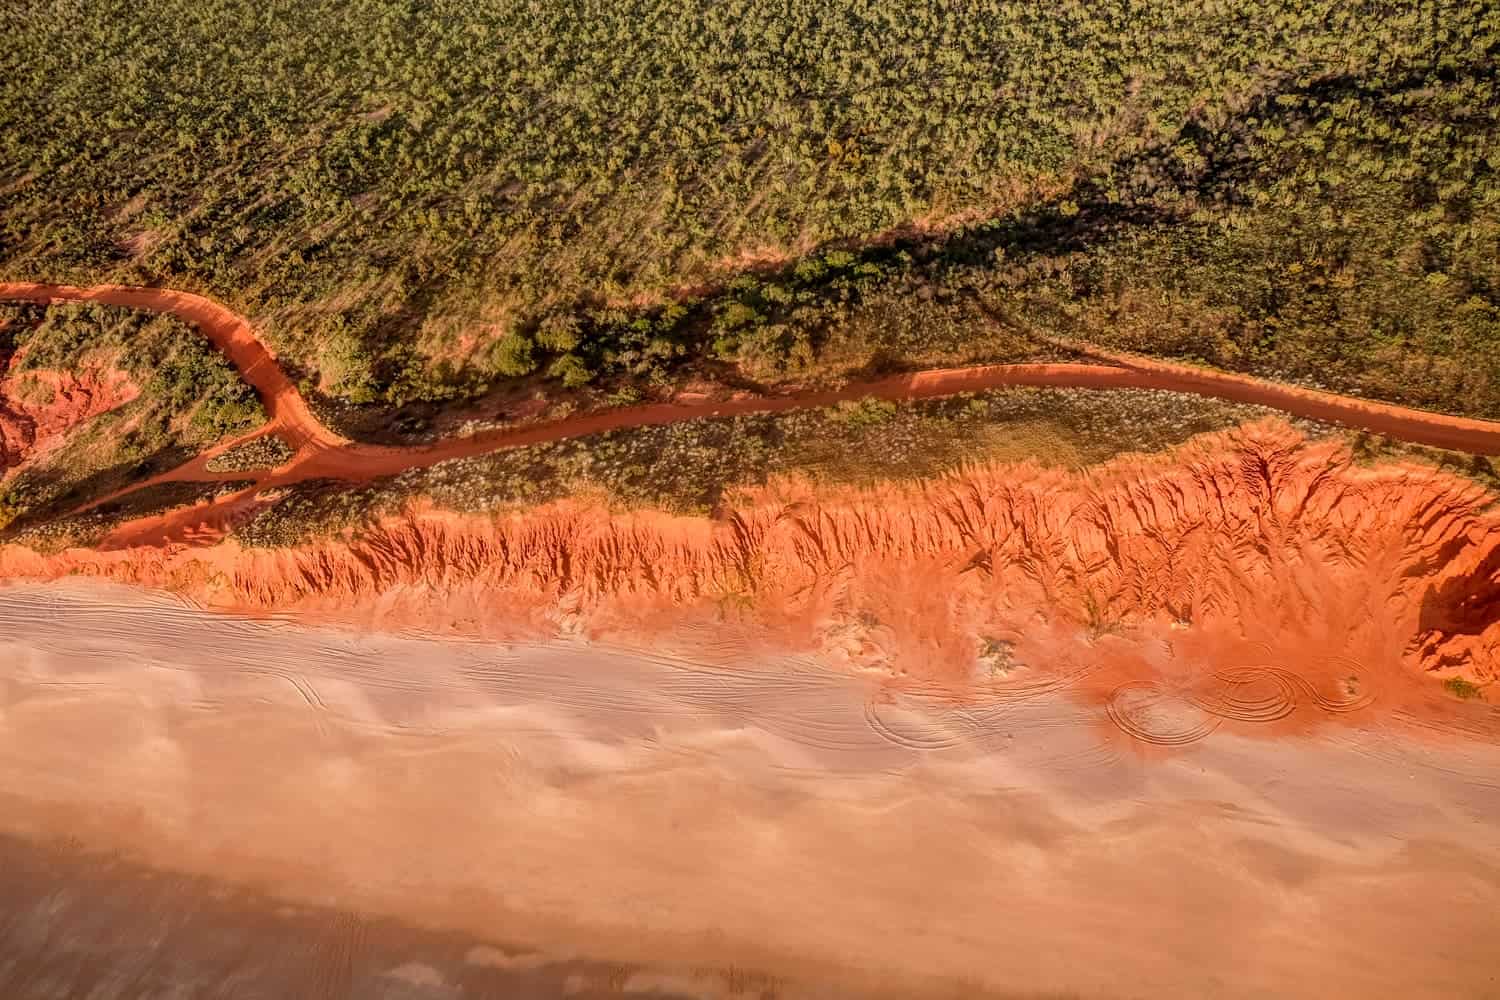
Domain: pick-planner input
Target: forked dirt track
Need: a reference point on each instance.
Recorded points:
(322, 453)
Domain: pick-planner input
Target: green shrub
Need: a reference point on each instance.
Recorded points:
(866, 412)
(571, 370)
(513, 355)
(1462, 689)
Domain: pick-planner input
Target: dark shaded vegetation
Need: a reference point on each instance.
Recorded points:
(265, 452)
(691, 467)
(90, 466)
(162, 497)
(419, 200)
(88, 528)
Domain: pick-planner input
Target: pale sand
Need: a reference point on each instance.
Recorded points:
(434, 819)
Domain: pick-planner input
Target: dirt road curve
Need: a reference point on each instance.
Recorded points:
(230, 333)
(322, 453)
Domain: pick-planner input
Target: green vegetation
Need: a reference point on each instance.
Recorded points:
(1370, 448)
(690, 467)
(997, 657)
(89, 527)
(1462, 689)
(265, 452)
(419, 200)
(190, 397)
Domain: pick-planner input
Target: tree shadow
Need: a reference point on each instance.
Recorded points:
(53, 494)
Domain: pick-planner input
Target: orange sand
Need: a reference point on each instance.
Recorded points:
(1252, 539)
(566, 812)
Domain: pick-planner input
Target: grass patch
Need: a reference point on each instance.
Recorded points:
(1462, 689)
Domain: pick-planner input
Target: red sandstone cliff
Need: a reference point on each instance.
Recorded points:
(1253, 535)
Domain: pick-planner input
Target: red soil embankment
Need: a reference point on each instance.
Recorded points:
(1251, 538)
(1265, 533)
(51, 404)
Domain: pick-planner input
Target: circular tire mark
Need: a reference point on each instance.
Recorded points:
(1154, 715)
(1245, 697)
(1355, 690)
(922, 741)
(1145, 709)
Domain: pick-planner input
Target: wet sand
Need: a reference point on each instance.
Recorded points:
(202, 805)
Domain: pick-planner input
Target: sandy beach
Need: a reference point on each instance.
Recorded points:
(398, 816)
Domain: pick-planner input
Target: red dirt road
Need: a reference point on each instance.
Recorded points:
(322, 453)
(229, 332)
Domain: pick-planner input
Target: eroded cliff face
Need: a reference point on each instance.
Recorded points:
(40, 407)
(1250, 543)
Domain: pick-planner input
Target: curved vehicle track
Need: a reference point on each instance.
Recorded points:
(322, 453)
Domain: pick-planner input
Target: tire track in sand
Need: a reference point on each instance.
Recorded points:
(1176, 715)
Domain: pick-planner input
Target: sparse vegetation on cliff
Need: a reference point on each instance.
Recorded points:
(189, 397)
(689, 467)
(265, 452)
(1462, 689)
